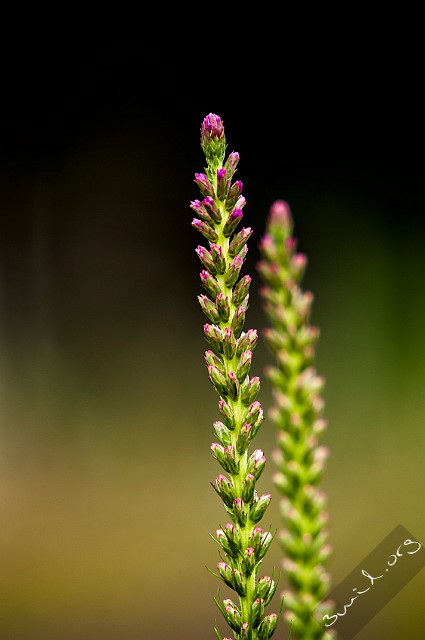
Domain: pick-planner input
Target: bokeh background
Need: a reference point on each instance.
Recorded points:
(106, 410)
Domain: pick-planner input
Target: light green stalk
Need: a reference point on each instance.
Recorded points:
(298, 415)
(242, 543)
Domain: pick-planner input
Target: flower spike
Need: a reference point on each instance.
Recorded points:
(228, 362)
(297, 414)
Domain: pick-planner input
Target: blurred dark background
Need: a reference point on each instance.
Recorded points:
(106, 410)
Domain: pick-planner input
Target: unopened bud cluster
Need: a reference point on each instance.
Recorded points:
(242, 542)
(298, 415)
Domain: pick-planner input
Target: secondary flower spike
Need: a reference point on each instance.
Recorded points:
(228, 362)
(297, 413)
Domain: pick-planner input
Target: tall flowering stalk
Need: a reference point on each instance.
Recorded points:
(243, 544)
(297, 412)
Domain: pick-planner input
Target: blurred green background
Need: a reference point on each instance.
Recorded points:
(106, 410)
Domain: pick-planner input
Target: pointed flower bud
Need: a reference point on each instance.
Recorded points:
(205, 257)
(235, 190)
(218, 258)
(239, 241)
(267, 627)
(233, 195)
(244, 438)
(223, 306)
(226, 573)
(218, 452)
(238, 512)
(238, 321)
(204, 185)
(232, 385)
(232, 222)
(248, 561)
(233, 536)
(244, 391)
(201, 211)
(256, 456)
(265, 589)
(240, 583)
(224, 543)
(249, 391)
(231, 164)
(241, 290)
(258, 509)
(233, 271)
(206, 230)
(214, 336)
(226, 456)
(209, 308)
(218, 380)
(257, 612)
(225, 489)
(254, 388)
(298, 264)
(244, 365)
(257, 424)
(266, 540)
(256, 463)
(229, 343)
(211, 207)
(222, 183)
(213, 360)
(227, 414)
(255, 411)
(248, 487)
(280, 215)
(247, 341)
(263, 586)
(231, 459)
(233, 615)
(210, 284)
(255, 538)
(222, 433)
(240, 203)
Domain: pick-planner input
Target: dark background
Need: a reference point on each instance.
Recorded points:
(106, 410)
